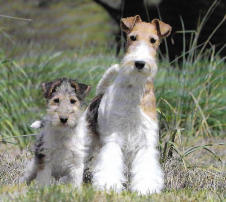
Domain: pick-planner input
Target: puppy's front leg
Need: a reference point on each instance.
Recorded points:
(108, 172)
(44, 176)
(74, 176)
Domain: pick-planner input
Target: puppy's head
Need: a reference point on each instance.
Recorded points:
(64, 99)
(143, 40)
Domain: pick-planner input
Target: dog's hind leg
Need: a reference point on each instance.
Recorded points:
(30, 172)
(107, 79)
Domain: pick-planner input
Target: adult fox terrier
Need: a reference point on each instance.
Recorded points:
(122, 121)
(59, 150)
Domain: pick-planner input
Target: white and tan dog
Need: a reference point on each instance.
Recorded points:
(59, 150)
(122, 119)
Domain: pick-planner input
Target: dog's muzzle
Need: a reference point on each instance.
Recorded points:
(139, 64)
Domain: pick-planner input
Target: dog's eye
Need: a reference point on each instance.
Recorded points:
(73, 101)
(152, 40)
(133, 38)
(56, 100)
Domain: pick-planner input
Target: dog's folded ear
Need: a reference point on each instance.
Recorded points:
(84, 89)
(81, 89)
(162, 28)
(50, 87)
(127, 24)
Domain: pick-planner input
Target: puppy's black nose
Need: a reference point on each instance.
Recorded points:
(63, 120)
(139, 64)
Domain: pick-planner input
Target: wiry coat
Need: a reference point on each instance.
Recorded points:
(59, 150)
(124, 134)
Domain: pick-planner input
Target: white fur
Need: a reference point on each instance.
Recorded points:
(36, 124)
(128, 137)
(143, 52)
(107, 79)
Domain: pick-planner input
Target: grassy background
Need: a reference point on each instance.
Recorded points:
(71, 40)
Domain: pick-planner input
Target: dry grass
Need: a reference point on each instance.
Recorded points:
(182, 185)
(12, 163)
(177, 176)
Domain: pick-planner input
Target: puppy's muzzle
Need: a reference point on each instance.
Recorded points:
(63, 120)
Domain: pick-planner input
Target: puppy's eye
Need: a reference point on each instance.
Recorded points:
(152, 40)
(56, 100)
(73, 101)
(133, 38)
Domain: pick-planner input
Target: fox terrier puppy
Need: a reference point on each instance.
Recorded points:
(59, 150)
(122, 121)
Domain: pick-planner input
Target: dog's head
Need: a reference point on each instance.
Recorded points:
(143, 40)
(64, 99)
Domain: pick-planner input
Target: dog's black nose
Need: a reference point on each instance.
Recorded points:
(139, 64)
(63, 120)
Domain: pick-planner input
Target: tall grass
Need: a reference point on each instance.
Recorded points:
(191, 100)
(191, 91)
(20, 93)
(191, 96)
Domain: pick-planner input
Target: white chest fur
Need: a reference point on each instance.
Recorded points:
(120, 114)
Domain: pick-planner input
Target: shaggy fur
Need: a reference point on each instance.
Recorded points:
(127, 135)
(59, 150)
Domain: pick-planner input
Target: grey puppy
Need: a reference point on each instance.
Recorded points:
(59, 150)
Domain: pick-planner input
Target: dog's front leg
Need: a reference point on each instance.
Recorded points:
(108, 172)
(146, 173)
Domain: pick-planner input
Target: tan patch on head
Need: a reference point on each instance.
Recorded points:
(64, 106)
(162, 28)
(143, 32)
(57, 99)
(149, 32)
(82, 90)
(49, 87)
(127, 24)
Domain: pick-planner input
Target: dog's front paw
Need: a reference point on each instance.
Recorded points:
(146, 188)
(108, 184)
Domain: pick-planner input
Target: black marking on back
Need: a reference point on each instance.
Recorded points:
(92, 114)
(39, 152)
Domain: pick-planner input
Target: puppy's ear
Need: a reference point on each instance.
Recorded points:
(84, 89)
(162, 28)
(81, 89)
(127, 24)
(50, 87)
